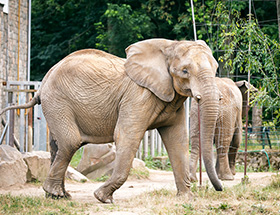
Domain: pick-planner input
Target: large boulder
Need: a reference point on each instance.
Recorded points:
(38, 163)
(13, 169)
(97, 160)
(73, 174)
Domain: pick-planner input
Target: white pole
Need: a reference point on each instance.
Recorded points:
(29, 40)
(193, 19)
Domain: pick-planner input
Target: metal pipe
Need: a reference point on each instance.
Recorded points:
(193, 19)
(29, 40)
(4, 133)
(199, 146)
(248, 102)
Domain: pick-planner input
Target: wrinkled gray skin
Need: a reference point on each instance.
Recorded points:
(94, 97)
(228, 132)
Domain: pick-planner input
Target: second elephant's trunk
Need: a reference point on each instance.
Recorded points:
(209, 106)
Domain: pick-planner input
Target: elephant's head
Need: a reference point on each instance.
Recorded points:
(187, 68)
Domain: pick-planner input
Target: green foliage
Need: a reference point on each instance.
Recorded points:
(103, 178)
(157, 164)
(76, 158)
(248, 49)
(121, 27)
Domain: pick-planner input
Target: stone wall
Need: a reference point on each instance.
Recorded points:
(13, 43)
(258, 160)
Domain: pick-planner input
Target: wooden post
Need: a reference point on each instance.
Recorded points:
(11, 120)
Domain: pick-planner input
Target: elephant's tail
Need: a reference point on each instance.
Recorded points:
(35, 100)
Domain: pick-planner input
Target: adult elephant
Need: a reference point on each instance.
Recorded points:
(228, 132)
(94, 97)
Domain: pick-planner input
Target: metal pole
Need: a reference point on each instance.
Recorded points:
(248, 101)
(199, 145)
(199, 139)
(29, 40)
(193, 19)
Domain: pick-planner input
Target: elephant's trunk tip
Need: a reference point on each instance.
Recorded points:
(218, 187)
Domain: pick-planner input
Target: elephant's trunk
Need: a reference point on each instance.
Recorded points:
(209, 105)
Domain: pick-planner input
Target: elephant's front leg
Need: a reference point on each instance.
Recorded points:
(127, 147)
(176, 142)
(194, 137)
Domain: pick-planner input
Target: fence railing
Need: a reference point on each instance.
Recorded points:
(32, 132)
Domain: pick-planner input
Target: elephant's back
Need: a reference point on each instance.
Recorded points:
(231, 95)
(88, 84)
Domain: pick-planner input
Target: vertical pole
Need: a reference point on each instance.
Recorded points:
(29, 40)
(11, 120)
(199, 145)
(193, 19)
(248, 100)
(200, 163)
(153, 143)
(30, 127)
(146, 144)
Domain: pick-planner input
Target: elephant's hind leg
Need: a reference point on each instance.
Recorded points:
(236, 140)
(222, 165)
(66, 147)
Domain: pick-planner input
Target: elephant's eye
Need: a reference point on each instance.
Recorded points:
(185, 71)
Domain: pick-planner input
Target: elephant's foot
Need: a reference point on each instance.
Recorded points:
(193, 178)
(232, 169)
(55, 190)
(188, 196)
(226, 177)
(103, 196)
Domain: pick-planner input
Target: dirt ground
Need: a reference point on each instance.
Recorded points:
(83, 192)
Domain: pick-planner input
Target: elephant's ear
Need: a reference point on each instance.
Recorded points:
(147, 65)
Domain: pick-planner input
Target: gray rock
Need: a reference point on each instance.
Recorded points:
(97, 160)
(138, 164)
(73, 174)
(13, 169)
(38, 163)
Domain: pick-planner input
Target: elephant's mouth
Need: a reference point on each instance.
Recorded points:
(188, 93)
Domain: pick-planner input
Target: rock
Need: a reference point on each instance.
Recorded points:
(73, 174)
(138, 164)
(97, 160)
(38, 163)
(13, 169)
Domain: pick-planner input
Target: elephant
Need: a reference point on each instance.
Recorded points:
(228, 131)
(91, 96)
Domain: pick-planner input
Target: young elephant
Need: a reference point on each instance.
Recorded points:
(94, 97)
(228, 132)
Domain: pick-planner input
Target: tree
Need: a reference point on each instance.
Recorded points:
(120, 27)
(262, 60)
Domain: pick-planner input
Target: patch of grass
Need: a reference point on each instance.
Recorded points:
(103, 178)
(156, 164)
(37, 205)
(76, 158)
(139, 173)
